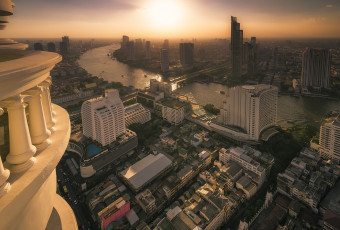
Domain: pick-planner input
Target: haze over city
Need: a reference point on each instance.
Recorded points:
(174, 18)
(169, 114)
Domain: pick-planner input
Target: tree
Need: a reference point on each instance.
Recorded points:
(210, 108)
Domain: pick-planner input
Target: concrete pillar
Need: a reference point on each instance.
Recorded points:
(50, 122)
(20, 157)
(4, 173)
(37, 123)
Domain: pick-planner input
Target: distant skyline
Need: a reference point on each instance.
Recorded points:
(173, 18)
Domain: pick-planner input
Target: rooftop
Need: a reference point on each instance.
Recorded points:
(146, 169)
(173, 103)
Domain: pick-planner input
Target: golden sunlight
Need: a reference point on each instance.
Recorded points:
(164, 13)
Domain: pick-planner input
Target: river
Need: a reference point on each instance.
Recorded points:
(291, 110)
(97, 63)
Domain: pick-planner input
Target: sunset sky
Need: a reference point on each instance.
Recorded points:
(173, 18)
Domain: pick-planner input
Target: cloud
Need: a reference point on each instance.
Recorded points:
(329, 6)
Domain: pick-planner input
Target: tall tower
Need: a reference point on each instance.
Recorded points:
(316, 68)
(65, 45)
(252, 57)
(131, 51)
(147, 50)
(186, 51)
(164, 60)
(166, 44)
(236, 48)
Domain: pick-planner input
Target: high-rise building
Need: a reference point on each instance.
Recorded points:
(253, 40)
(186, 51)
(316, 68)
(124, 45)
(147, 50)
(103, 118)
(65, 45)
(236, 48)
(166, 44)
(252, 57)
(164, 60)
(275, 57)
(125, 41)
(251, 109)
(329, 140)
(51, 47)
(38, 46)
(245, 49)
(131, 51)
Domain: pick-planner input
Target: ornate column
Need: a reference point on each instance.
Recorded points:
(37, 124)
(50, 122)
(4, 173)
(20, 157)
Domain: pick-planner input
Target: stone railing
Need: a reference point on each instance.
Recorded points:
(38, 134)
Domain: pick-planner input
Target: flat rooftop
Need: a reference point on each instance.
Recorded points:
(146, 169)
(173, 103)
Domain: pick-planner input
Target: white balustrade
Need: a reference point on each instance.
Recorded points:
(20, 157)
(37, 125)
(46, 102)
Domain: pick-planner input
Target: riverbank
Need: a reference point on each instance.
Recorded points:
(146, 65)
(98, 63)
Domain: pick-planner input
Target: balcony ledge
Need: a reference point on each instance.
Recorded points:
(21, 74)
(33, 193)
(62, 216)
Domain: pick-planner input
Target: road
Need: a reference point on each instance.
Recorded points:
(73, 198)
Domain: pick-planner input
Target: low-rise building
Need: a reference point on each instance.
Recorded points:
(147, 201)
(307, 178)
(172, 110)
(148, 98)
(249, 159)
(144, 171)
(136, 113)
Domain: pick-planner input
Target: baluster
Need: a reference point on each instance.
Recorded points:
(20, 157)
(37, 124)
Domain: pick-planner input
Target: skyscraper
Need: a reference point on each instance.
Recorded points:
(251, 109)
(131, 51)
(252, 57)
(38, 46)
(147, 50)
(164, 60)
(166, 44)
(64, 45)
(51, 47)
(103, 118)
(316, 67)
(125, 41)
(236, 48)
(186, 51)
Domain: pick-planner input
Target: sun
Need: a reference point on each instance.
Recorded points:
(164, 13)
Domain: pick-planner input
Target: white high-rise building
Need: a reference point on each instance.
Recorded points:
(103, 118)
(250, 109)
(330, 138)
(316, 68)
(164, 60)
